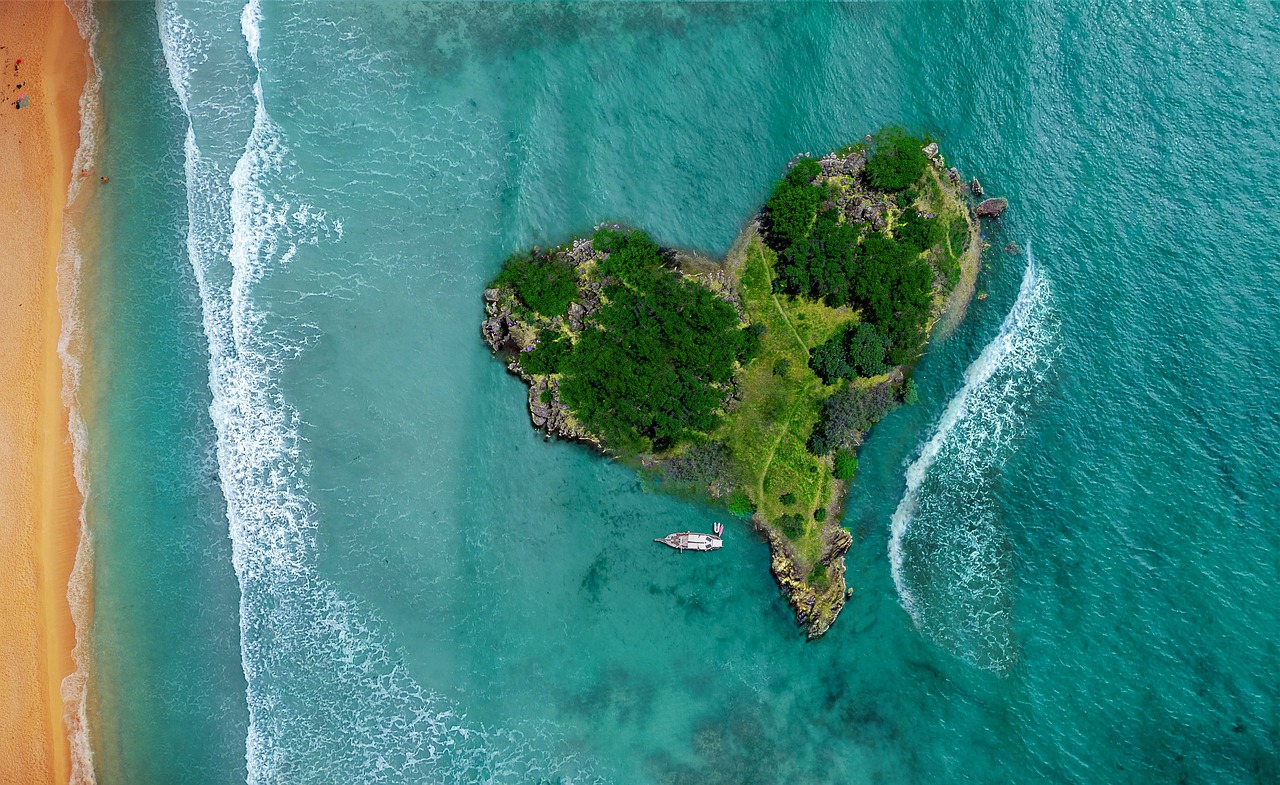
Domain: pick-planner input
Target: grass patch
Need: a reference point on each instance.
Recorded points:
(954, 221)
(771, 427)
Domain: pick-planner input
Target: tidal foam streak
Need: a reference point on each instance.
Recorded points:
(328, 699)
(71, 348)
(948, 552)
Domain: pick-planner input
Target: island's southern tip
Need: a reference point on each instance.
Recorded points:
(754, 379)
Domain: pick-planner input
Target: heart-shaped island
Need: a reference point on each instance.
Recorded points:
(753, 379)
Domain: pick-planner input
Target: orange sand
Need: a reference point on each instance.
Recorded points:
(39, 499)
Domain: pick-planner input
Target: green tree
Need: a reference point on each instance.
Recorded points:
(897, 160)
(849, 413)
(919, 232)
(633, 257)
(830, 360)
(894, 286)
(857, 351)
(792, 525)
(821, 264)
(865, 348)
(910, 395)
(792, 205)
(548, 355)
(652, 367)
(740, 505)
(543, 283)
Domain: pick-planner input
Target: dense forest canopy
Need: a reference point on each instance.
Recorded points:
(897, 160)
(543, 283)
(651, 368)
(856, 351)
(823, 256)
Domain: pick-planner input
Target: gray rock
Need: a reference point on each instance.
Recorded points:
(931, 150)
(992, 208)
(495, 331)
(976, 187)
(491, 295)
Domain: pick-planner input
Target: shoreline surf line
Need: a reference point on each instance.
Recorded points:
(40, 500)
(71, 348)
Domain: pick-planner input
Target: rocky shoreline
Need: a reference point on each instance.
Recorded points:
(815, 607)
(510, 330)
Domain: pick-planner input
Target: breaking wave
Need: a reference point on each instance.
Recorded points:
(74, 689)
(949, 556)
(329, 699)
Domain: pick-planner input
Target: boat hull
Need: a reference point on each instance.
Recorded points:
(692, 541)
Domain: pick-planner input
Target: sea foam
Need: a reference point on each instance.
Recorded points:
(948, 552)
(329, 698)
(71, 348)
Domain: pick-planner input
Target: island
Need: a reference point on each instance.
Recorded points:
(753, 380)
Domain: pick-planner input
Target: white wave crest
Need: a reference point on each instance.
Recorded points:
(74, 689)
(948, 552)
(329, 700)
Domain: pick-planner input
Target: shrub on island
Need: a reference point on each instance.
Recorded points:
(792, 525)
(548, 356)
(740, 505)
(917, 231)
(703, 465)
(910, 395)
(846, 464)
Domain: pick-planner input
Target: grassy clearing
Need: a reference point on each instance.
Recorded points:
(782, 399)
(954, 216)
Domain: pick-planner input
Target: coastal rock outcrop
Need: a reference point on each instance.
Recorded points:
(935, 158)
(816, 603)
(836, 164)
(992, 208)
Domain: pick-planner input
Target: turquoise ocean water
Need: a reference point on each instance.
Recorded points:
(330, 549)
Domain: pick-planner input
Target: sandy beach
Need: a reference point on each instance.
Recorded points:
(39, 500)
